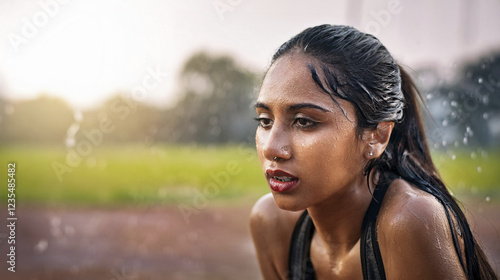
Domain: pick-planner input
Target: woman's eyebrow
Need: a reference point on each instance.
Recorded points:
(294, 107)
(299, 106)
(261, 105)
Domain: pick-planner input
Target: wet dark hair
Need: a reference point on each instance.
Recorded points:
(356, 67)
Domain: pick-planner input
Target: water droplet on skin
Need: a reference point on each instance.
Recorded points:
(480, 80)
(488, 199)
(479, 169)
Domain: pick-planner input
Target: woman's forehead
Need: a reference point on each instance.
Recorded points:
(289, 79)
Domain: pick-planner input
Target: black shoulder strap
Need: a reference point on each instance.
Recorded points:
(371, 259)
(299, 261)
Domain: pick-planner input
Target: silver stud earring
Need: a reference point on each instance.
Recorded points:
(371, 153)
(285, 148)
(275, 158)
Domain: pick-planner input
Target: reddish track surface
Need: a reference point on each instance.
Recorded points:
(156, 243)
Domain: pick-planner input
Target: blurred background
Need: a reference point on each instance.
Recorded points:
(130, 124)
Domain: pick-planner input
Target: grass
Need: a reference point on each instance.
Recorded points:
(134, 174)
(470, 172)
(165, 174)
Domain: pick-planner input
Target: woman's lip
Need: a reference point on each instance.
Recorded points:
(279, 173)
(280, 186)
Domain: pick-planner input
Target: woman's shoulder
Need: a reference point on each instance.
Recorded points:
(405, 204)
(414, 235)
(271, 229)
(267, 217)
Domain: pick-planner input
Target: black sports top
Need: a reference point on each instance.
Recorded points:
(299, 262)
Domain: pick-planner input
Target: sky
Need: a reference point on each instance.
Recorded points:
(87, 51)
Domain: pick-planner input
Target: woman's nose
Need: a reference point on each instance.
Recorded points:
(276, 144)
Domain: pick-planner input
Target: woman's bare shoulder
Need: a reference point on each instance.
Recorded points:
(267, 217)
(271, 229)
(414, 235)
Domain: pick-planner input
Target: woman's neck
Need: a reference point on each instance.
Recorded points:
(338, 219)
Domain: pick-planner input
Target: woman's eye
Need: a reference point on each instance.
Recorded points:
(264, 122)
(305, 123)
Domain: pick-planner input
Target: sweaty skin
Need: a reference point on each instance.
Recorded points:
(327, 157)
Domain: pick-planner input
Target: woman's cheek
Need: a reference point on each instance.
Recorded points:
(259, 144)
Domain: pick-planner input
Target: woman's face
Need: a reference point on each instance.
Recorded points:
(308, 148)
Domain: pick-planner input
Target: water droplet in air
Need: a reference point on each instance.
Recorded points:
(41, 246)
(485, 116)
(454, 103)
(479, 169)
(473, 155)
(486, 100)
(465, 141)
(429, 96)
(445, 122)
(78, 116)
(453, 157)
(488, 199)
(480, 80)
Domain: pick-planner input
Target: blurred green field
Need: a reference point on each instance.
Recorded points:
(470, 172)
(163, 174)
(133, 174)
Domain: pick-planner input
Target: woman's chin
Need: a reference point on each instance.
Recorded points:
(288, 203)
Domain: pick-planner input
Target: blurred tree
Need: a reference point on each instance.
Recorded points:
(216, 102)
(467, 111)
(41, 120)
(122, 119)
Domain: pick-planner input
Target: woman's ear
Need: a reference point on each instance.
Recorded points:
(377, 139)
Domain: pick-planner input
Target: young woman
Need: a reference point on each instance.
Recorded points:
(355, 194)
